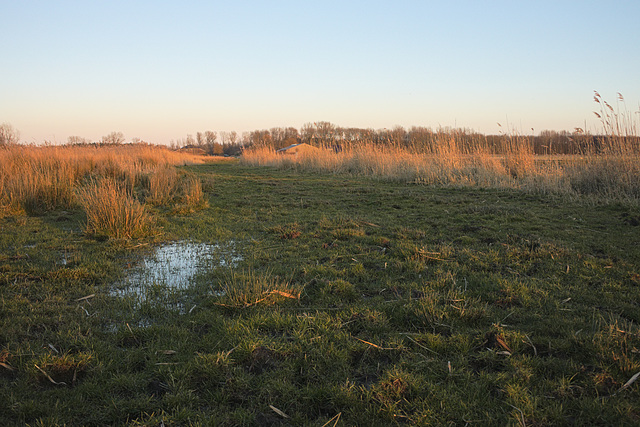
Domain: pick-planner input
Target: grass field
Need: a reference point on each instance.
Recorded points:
(326, 299)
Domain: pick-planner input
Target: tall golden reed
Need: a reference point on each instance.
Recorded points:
(101, 179)
(34, 178)
(608, 170)
(161, 182)
(112, 210)
(448, 161)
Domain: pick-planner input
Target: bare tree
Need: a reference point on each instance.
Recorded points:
(307, 132)
(261, 138)
(78, 140)
(8, 135)
(233, 137)
(210, 137)
(325, 132)
(229, 137)
(277, 136)
(114, 138)
(318, 133)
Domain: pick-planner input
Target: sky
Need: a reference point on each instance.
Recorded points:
(160, 70)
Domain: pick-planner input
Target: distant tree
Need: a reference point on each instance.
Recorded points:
(398, 135)
(420, 137)
(232, 149)
(307, 132)
(325, 132)
(260, 138)
(8, 135)
(210, 137)
(277, 136)
(233, 137)
(78, 140)
(553, 142)
(245, 139)
(181, 142)
(114, 138)
(200, 139)
(290, 137)
(217, 149)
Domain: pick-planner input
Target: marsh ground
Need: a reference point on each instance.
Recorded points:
(352, 301)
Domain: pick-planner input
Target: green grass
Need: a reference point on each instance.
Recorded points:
(398, 304)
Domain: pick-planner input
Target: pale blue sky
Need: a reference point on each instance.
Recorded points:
(161, 70)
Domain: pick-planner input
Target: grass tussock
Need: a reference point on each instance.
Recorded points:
(248, 288)
(61, 370)
(190, 193)
(161, 182)
(111, 210)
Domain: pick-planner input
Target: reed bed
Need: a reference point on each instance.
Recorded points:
(610, 170)
(37, 179)
(604, 167)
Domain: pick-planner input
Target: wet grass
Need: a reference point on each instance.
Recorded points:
(355, 302)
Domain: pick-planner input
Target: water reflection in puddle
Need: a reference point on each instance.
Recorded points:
(173, 268)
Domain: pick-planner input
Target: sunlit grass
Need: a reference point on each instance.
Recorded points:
(351, 300)
(39, 179)
(605, 176)
(245, 289)
(605, 168)
(112, 211)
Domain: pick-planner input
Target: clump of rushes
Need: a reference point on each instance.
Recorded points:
(112, 211)
(189, 194)
(161, 184)
(248, 288)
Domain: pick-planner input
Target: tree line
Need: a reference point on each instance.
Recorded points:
(425, 139)
(326, 134)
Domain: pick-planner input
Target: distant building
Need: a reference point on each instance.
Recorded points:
(295, 149)
(191, 149)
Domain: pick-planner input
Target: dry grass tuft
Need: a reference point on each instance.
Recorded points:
(113, 211)
(61, 370)
(246, 289)
(161, 184)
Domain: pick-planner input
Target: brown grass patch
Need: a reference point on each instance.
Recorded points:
(113, 211)
(36, 179)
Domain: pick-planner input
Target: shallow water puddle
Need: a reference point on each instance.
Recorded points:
(173, 268)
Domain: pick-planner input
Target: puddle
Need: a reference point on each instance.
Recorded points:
(172, 269)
